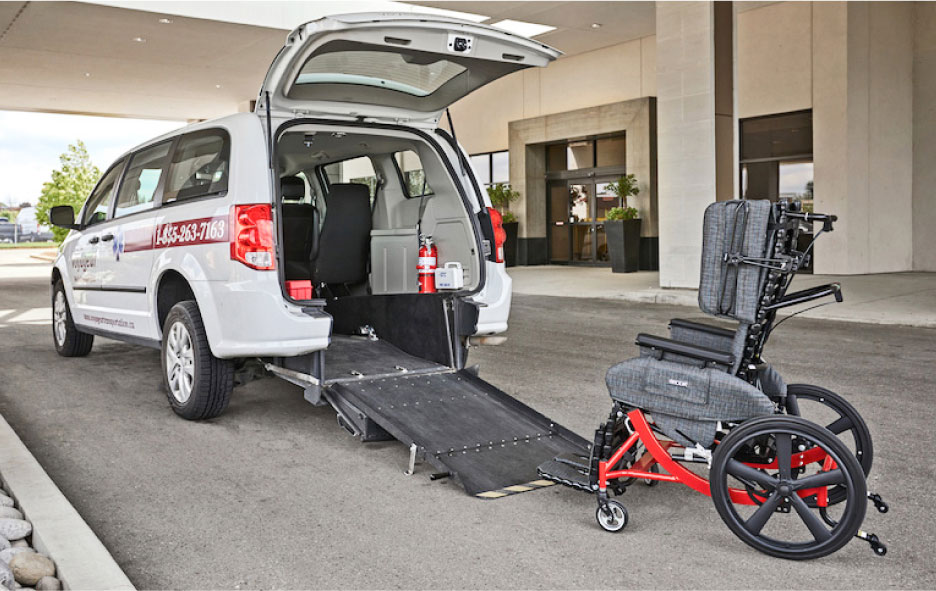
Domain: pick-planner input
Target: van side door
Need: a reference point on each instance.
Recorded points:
(126, 260)
(83, 258)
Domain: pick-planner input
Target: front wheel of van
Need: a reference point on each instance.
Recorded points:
(198, 384)
(69, 341)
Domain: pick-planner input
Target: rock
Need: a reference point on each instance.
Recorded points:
(29, 568)
(14, 529)
(7, 555)
(6, 501)
(11, 513)
(7, 581)
(20, 544)
(48, 584)
(4, 544)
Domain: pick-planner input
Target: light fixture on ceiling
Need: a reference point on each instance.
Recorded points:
(139, 39)
(165, 21)
(596, 25)
(87, 74)
(523, 28)
(217, 86)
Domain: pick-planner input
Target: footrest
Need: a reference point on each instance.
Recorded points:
(568, 469)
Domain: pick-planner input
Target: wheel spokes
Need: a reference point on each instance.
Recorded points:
(784, 443)
(758, 520)
(830, 478)
(816, 527)
(840, 425)
(745, 472)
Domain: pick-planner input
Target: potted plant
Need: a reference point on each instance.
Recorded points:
(501, 196)
(622, 227)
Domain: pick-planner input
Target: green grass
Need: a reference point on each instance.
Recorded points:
(49, 244)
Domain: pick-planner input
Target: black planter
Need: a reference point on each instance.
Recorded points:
(624, 245)
(510, 246)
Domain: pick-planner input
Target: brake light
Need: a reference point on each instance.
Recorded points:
(500, 235)
(252, 235)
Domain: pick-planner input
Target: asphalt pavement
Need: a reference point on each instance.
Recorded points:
(274, 494)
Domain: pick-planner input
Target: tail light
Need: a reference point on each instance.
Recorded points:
(252, 235)
(500, 235)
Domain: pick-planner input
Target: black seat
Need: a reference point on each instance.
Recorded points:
(299, 221)
(343, 248)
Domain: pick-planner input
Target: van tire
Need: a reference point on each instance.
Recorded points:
(211, 379)
(69, 341)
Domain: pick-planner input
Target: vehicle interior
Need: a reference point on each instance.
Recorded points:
(353, 207)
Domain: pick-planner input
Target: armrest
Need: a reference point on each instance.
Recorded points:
(807, 295)
(698, 326)
(670, 346)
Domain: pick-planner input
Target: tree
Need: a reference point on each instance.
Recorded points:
(70, 185)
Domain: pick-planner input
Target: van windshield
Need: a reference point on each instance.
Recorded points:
(411, 74)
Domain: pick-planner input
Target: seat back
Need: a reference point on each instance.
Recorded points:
(298, 228)
(735, 234)
(344, 243)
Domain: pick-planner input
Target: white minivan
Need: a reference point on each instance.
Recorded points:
(266, 239)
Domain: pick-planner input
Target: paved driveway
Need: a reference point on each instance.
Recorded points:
(275, 494)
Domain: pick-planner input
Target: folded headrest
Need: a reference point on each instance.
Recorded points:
(293, 188)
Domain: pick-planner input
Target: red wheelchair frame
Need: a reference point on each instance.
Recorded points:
(658, 453)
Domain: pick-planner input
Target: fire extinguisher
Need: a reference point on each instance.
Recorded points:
(428, 257)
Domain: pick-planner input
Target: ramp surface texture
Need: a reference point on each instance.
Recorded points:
(461, 424)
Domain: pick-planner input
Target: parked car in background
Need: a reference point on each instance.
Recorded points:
(10, 232)
(31, 230)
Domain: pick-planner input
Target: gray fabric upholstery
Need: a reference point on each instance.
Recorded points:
(733, 228)
(701, 338)
(676, 392)
(771, 383)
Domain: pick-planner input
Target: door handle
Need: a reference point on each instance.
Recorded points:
(93, 240)
(107, 237)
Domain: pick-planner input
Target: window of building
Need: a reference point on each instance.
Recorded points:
(600, 152)
(95, 210)
(199, 166)
(492, 167)
(358, 170)
(139, 184)
(776, 157)
(413, 174)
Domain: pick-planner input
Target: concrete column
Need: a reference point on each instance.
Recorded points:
(863, 135)
(688, 99)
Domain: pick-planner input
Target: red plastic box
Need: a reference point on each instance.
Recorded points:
(299, 290)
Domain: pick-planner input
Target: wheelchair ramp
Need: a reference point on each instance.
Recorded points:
(488, 442)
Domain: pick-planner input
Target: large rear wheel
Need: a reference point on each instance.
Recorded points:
(788, 467)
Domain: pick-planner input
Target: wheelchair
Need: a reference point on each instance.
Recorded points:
(706, 398)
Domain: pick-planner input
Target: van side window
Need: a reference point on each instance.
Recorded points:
(95, 210)
(141, 180)
(199, 166)
(412, 173)
(358, 170)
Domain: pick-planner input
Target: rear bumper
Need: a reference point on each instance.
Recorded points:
(242, 321)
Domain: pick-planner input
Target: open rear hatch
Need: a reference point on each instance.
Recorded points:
(390, 67)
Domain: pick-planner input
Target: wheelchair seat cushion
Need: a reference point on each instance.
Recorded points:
(686, 401)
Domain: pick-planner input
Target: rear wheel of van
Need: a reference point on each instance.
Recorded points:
(198, 384)
(69, 341)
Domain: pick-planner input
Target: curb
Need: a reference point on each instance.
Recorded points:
(81, 560)
(44, 257)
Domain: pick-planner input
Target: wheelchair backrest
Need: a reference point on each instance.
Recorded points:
(736, 236)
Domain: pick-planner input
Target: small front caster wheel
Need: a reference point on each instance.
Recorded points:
(614, 519)
(650, 481)
(876, 545)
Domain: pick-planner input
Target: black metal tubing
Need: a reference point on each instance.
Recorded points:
(670, 346)
(807, 295)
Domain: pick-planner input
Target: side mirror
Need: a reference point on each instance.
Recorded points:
(63, 216)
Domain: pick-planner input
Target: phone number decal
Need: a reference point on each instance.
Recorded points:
(189, 232)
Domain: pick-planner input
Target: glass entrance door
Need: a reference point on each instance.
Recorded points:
(577, 211)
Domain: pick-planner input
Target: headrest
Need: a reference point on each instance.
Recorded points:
(293, 188)
(347, 191)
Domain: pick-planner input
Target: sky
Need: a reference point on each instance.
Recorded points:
(30, 145)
